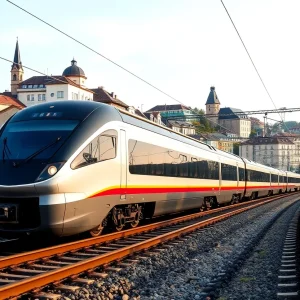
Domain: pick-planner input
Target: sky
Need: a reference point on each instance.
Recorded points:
(180, 46)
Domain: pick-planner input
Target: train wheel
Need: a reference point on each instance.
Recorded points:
(235, 199)
(138, 217)
(98, 230)
(119, 227)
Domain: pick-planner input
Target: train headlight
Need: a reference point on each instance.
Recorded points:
(52, 170)
(49, 171)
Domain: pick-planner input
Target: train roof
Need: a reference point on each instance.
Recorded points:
(258, 165)
(70, 109)
(166, 131)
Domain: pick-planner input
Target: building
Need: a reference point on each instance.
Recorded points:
(212, 105)
(174, 111)
(155, 117)
(275, 151)
(8, 107)
(228, 118)
(101, 95)
(37, 89)
(217, 140)
(16, 71)
(257, 126)
(181, 126)
(234, 120)
(68, 86)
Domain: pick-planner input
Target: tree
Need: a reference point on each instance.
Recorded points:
(203, 125)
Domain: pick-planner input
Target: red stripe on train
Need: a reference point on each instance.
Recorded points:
(151, 190)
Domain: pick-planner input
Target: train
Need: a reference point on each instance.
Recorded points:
(69, 167)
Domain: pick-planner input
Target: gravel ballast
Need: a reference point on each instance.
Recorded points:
(202, 262)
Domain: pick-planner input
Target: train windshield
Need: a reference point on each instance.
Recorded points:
(19, 140)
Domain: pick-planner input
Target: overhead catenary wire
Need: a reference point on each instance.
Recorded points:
(253, 62)
(113, 62)
(41, 73)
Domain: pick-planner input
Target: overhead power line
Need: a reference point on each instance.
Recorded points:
(113, 62)
(41, 73)
(59, 80)
(252, 61)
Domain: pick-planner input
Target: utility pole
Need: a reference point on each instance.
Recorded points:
(265, 128)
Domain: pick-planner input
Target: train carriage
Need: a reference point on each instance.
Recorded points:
(74, 166)
(293, 181)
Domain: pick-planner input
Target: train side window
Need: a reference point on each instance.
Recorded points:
(203, 169)
(183, 166)
(107, 147)
(241, 174)
(193, 170)
(89, 155)
(101, 148)
(229, 172)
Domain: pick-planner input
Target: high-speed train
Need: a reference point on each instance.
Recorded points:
(68, 167)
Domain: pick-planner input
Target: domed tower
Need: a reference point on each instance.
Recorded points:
(17, 71)
(212, 105)
(75, 73)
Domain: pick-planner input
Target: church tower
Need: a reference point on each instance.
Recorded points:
(212, 105)
(17, 71)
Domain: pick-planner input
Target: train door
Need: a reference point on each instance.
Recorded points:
(123, 171)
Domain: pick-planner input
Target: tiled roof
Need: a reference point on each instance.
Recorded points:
(268, 141)
(105, 97)
(180, 124)
(47, 80)
(212, 97)
(161, 108)
(139, 113)
(9, 101)
(232, 113)
(216, 136)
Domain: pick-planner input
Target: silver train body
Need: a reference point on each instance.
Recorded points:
(74, 166)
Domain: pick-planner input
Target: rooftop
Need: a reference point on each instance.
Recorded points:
(268, 141)
(162, 108)
(73, 70)
(101, 95)
(212, 97)
(232, 113)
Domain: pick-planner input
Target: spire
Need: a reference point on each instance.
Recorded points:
(17, 58)
(212, 97)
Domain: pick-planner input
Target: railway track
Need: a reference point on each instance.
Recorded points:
(288, 278)
(29, 272)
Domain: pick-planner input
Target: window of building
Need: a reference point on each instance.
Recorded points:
(35, 86)
(32, 97)
(60, 94)
(14, 77)
(39, 97)
(24, 86)
(43, 97)
(28, 97)
(41, 86)
(30, 86)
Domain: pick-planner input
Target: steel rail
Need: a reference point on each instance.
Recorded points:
(38, 281)
(74, 246)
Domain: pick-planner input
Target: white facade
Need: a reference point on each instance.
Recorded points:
(242, 127)
(52, 92)
(282, 155)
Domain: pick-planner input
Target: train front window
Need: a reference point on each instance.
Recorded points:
(22, 139)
